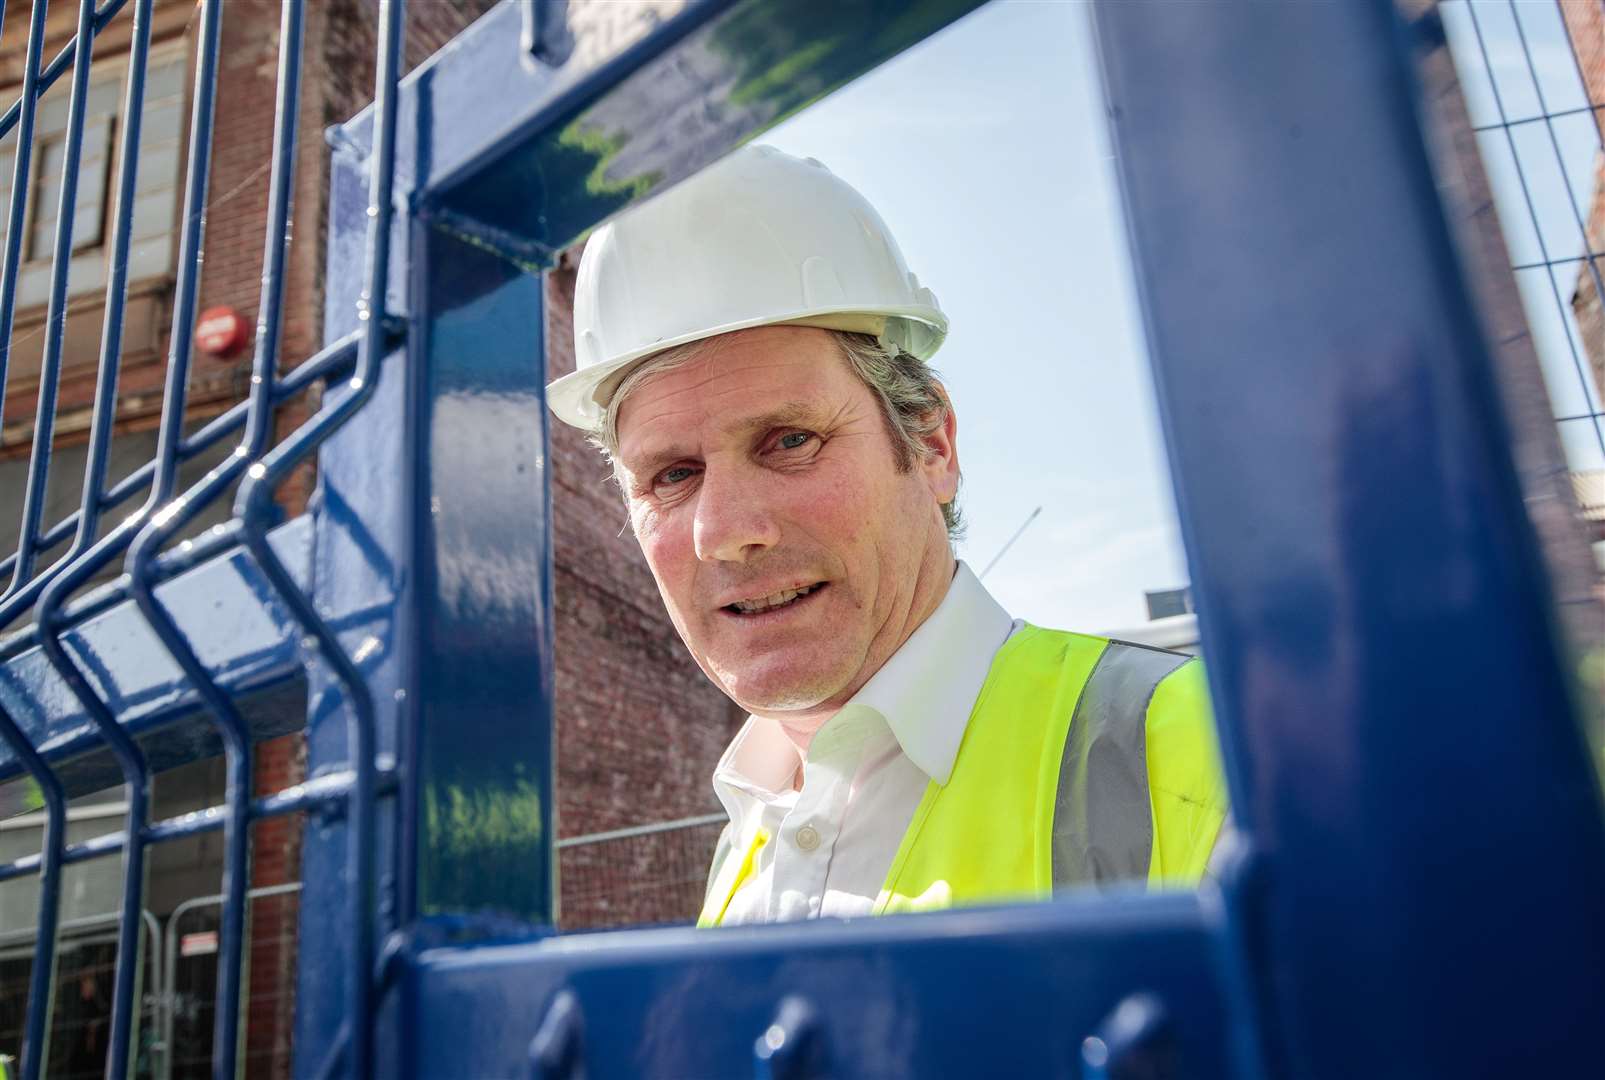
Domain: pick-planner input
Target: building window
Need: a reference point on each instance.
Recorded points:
(155, 206)
(90, 207)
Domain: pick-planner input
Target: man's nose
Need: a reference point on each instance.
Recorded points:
(733, 520)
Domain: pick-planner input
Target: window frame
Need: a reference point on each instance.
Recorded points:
(174, 51)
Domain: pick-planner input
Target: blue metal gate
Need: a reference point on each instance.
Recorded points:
(1418, 885)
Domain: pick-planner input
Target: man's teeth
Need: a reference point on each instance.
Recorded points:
(764, 603)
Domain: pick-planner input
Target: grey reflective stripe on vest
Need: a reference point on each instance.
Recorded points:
(1103, 828)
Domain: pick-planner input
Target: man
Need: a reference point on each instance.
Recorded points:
(752, 357)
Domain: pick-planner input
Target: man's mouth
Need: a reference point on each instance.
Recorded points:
(761, 605)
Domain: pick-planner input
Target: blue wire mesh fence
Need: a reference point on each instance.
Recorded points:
(1533, 79)
(109, 514)
(59, 154)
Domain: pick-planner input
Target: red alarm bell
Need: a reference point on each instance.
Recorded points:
(221, 332)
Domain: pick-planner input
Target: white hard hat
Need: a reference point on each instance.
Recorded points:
(759, 238)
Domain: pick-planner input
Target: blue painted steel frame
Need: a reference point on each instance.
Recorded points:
(1007, 993)
(1321, 377)
(1404, 745)
(1330, 387)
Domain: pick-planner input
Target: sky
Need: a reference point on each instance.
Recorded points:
(985, 148)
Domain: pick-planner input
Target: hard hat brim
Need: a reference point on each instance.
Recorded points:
(580, 398)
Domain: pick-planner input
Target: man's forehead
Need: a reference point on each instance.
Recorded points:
(743, 381)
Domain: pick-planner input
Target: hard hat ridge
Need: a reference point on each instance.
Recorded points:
(759, 238)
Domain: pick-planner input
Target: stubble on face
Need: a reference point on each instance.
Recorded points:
(763, 468)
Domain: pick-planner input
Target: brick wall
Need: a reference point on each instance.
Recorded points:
(237, 208)
(639, 727)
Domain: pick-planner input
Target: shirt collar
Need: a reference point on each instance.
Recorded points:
(925, 693)
(928, 688)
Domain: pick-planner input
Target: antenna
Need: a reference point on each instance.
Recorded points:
(1024, 525)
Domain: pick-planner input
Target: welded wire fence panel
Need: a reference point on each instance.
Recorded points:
(647, 875)
(1533, 79)
(136, 452)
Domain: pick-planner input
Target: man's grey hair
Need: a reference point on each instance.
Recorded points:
(912, 402)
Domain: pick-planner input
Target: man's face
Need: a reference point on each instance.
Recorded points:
(792, 554)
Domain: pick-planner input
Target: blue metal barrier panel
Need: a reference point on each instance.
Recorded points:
(1417, 882)
(1005, 992)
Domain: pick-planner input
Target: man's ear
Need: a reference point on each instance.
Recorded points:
(940, 462)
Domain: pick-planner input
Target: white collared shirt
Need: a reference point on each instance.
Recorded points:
(832, 842)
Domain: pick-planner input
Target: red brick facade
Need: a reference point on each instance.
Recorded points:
(638, 726)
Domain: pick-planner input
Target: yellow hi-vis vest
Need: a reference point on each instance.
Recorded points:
(1085, 762)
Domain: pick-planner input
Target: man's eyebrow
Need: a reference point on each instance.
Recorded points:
(652, 459)
(789, 414)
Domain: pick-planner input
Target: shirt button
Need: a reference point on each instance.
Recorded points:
(808, 838)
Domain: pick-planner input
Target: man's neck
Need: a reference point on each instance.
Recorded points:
(930, 590)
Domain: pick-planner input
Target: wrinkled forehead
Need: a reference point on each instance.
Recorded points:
(730, 388)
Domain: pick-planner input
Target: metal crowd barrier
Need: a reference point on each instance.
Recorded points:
(170, 948)
(85, 933)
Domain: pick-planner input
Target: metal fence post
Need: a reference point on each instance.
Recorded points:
(481, 720)
(1424, 885)
(431, 557)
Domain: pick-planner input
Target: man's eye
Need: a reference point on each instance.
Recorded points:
(677, 475)
(794, 439)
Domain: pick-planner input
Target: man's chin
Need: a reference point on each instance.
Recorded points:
(766, 692)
